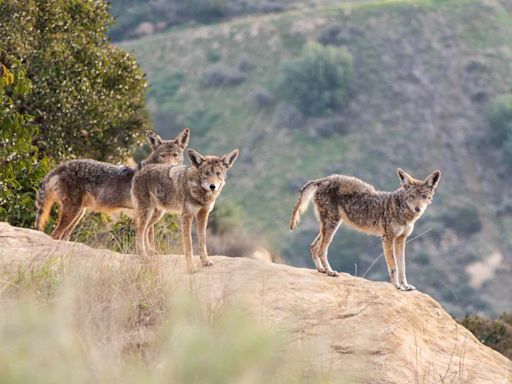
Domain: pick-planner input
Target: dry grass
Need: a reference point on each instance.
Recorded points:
(125, 321)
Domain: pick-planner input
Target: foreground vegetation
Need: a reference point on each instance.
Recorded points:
(496, 334)
(124, 321)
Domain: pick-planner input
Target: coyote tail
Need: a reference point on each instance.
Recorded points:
(306, 194)
(45, 198)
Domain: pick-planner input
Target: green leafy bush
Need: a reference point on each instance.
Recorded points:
(496, 334)
(87, 96)
(463, 220)
(318, 81)
(204, 10)
(101, 231)
(500, 120)
(221, 76)
(21, 169)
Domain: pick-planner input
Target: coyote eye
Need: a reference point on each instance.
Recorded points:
(218, 173)
(175, 154)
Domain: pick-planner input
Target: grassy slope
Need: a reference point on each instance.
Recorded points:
(413, 106)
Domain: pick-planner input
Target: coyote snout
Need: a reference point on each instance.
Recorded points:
(390, 215)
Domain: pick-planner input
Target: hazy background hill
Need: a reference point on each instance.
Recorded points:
(422, 85)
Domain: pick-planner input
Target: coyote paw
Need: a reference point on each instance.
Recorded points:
(321, 270)
(332, 273)
(191, 269)
(207, 263)
(406, 287)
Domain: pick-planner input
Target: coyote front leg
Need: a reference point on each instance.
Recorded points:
(202, 222)
(389, 254)
(186, 232)
(150, 240)
(327, 230)
(142, 217)
(400, 256)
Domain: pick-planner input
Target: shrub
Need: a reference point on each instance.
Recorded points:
(318, 81)
(260, 98)
(422, 258)
(87, 96)
(245, 64)
(225, 217)
(201, 119)
(286, 116)
(213, 56)
(500, 120)
(21, 169)
(204, 10)
(463, 220)
(328, 127)
(496, 334)
(100, 231)
(220, 76)
(166, 86)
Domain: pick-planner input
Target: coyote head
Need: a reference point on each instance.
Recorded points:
(167, 151)
(212, 169)
(419, 193)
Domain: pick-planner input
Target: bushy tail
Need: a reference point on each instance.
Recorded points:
(306, 194)
(44, 200)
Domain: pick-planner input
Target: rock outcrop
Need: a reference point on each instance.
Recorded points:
(363, 329)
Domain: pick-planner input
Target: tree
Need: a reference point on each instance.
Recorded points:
(21, 169)
(87, 96)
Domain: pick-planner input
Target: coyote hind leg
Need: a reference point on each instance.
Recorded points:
(314, 254)
(328, 232)
(69, 215)
(142, 217)
(329, 224)
(71, 227)
(150, 233)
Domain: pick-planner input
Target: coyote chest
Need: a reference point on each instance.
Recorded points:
(181, 192)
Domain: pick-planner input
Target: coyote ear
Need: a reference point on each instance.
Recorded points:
(405, 178)
(182, 138)
(229, 159)
(433, 179)
(195, 158)
(154, 140)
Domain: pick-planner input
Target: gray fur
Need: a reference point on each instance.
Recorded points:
(390, 215)
(78, 185)
(189, 190)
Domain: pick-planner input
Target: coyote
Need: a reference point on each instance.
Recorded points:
(390, 215)
(101, 187)
(188, 189)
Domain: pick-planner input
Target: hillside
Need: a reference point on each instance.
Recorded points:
(136, 18)
(358, 329)
(424, 76)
